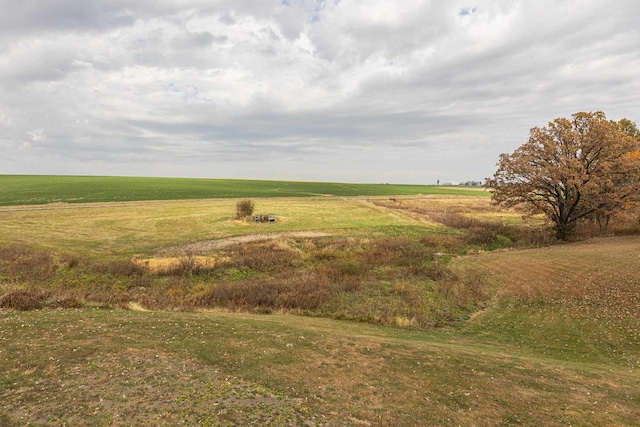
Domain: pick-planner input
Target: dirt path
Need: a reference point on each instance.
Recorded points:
(212, 245)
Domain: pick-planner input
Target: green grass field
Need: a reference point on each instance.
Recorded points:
(124, 229)
(42, 189)
(448, 331)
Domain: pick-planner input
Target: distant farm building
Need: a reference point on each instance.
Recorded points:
(264, 218)
(466, 183)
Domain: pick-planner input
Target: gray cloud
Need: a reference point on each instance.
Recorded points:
(45, 16)
(373, 91)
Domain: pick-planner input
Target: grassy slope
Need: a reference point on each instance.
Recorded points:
(555, 349)
(559, 346)
(87, 366)
(566, 301)
(40, 189)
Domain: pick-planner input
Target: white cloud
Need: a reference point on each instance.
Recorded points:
(304, 89)
(37, 135)
(5, 120)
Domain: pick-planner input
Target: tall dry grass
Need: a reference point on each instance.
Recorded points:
(378, 280)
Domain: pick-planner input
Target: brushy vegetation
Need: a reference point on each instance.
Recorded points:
(490, 229)
(390, 281)
(245, 208)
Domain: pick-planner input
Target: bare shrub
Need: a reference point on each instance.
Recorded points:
(462, 292)
(619, 224)
(443, 242)
(343, 279)
(262, 293)
(306, 290)
(23, 300)
(493, 235)
(71, 261)
(244, 208)
(120, 268)
(475, 284)
(171, 292)
(108, 297)
(13, 252)
(481, 236)
(29, 266)
(265, 257)
(398, 251)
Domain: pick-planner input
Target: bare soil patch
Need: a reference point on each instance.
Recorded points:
(213, 245)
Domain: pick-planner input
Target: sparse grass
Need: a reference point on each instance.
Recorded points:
(580, 298)
(95, 367)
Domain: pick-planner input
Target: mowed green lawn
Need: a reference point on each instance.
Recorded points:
(42, 189)
(124, 229)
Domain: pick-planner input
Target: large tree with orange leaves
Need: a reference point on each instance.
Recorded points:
(570, 169)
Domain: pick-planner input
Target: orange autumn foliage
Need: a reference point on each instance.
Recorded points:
(569, 170)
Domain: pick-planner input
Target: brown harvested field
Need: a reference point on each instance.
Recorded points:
(577, 269)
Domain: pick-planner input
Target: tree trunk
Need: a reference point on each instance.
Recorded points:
(564, 228)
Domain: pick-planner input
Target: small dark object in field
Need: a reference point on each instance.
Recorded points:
(66, 303)
(264, 218)
(22, 301)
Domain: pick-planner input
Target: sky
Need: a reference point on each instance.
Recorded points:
(375, 91)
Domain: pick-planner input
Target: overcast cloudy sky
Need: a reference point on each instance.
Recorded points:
(407, 91)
